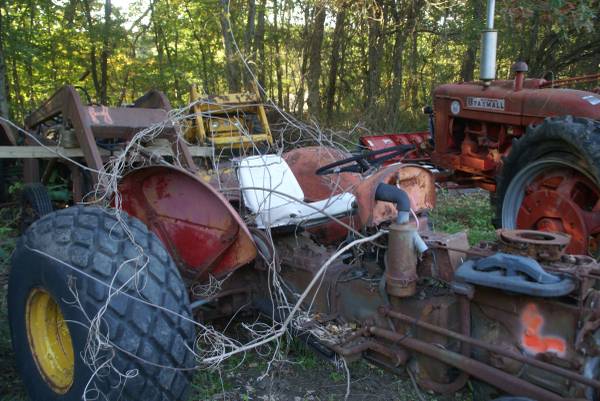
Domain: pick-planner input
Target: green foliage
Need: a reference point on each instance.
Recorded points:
(168, 45)
(12, 387)
(337, 376)
(470, 212)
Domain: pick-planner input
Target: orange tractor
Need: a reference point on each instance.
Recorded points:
(531, 142)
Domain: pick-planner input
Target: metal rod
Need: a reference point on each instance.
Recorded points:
(495, 349)
(491, 6)
(566, 81)
(504, 381)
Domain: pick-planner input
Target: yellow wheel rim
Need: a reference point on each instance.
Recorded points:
(50, 340)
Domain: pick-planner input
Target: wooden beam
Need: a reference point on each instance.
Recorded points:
(38, 152)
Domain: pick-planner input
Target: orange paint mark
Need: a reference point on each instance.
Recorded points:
(532, 338)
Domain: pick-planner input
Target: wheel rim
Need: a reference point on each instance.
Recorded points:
(557, 196)
(50, 340)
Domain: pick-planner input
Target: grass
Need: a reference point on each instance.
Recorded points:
(470, 212)
(455, 212)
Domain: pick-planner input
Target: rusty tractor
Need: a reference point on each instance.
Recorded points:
(531, 142)
(106, 304)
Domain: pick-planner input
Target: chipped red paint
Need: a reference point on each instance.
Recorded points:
(419, 139)
(305, 161)
(532, 338)
(563, 200)
(199, 228)
(418, 182)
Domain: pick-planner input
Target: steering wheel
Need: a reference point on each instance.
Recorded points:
(364, 161)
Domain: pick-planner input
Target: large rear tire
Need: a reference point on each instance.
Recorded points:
(550, 181)
(62, 271)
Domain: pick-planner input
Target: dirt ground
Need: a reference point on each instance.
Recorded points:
(299, 380)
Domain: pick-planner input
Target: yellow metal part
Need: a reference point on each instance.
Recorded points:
(50, 340)
(228, 120)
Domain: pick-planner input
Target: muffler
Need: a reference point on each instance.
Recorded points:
(489, 42)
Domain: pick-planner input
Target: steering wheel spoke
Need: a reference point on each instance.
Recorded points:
(365, 161)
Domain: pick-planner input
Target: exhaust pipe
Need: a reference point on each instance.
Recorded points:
(489, 41)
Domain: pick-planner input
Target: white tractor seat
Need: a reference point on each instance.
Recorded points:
(259, 175)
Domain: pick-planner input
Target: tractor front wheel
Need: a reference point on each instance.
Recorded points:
(551, 182)
(97, 312)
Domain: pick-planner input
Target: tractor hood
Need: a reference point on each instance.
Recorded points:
(526, 106)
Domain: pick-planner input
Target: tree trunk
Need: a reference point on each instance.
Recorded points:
(29, 66)
(4, 107)
(467, 66)
(201, 48)
(93, 61)
(249, 27)
(401, 19)
(17, 88)
(374, 57)
(105, 53)
(469, 59)
(278, 71)
(259, 43)
(232, 67)
(248, 36)
(338, 37)
(314, 67)
(413, 81)
(299, 103)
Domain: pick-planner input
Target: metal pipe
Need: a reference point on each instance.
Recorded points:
(391, 193)
(491, 8)
(493, 348)
(401, 261)
(504, 381)
(489, 41)
(567, 81)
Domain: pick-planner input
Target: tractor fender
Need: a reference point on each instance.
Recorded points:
(416, 181)
(199, 228)
(304, 163)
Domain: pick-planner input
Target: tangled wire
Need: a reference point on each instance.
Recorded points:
(211, 346)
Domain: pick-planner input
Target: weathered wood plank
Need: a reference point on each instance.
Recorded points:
(38, 152)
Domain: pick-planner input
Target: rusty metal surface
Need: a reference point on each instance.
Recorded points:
(475, 139)
(305, 161)
(401, 261)
(535, 244)
(420, 140)
(123, 122)
(203, 233)
(560, 199)
(94, 122)
(66, 101)
(569, 81)
(444, 256)
(467, 339)
(418, 182)
(439, 331)
(507, 382)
